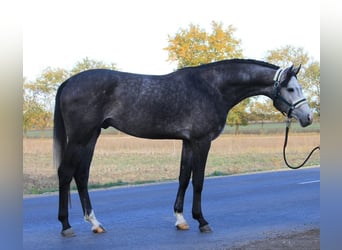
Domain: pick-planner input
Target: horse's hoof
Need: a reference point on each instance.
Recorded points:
(99, 230)
(68, 233)
(183, 226)
(205, 229)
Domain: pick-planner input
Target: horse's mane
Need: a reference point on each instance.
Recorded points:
(252, 61)
(229, 61)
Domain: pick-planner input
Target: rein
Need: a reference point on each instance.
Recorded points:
(288, 123)
(292, 106)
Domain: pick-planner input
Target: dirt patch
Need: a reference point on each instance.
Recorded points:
(307, 240)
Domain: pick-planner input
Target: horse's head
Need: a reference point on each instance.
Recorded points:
(289, 98)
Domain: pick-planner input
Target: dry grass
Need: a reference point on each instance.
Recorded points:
(120, 159)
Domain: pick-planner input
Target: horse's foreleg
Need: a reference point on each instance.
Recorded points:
(184, 178)
(200, 153)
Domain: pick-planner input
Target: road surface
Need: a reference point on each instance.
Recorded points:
(239, 208)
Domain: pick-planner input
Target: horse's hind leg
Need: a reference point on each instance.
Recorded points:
(184, 178)
(65, 173)
(81, 178)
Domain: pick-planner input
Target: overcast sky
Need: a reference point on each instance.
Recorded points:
(133, 33)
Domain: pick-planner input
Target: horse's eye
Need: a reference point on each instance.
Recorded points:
(290, 89)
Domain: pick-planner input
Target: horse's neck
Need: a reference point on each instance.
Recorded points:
(242, 81)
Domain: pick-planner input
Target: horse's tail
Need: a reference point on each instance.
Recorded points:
(59, 134)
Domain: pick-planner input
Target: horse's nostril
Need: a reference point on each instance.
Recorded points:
(310, 118)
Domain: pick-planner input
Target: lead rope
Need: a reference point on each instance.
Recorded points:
(288, 123)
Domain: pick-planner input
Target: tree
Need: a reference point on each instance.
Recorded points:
(312, 79)
(43, 89)
(286, 55)
(238, 115)
(34, 114)
(263, 110)
(86, 64)
(194, 46)
(39, 95)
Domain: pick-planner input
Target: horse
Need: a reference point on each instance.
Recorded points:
(190, 104)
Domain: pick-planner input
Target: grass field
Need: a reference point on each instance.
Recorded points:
(252, 128)
(121, 159)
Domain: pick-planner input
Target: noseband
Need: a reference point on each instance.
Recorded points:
(277, 95)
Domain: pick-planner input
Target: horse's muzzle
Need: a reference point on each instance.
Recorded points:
(304, 119)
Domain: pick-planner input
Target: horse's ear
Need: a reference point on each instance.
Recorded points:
(296, 70)
(288, 71)
(290, 68)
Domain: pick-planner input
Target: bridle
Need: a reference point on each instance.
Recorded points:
(277, 94)
(292, 106)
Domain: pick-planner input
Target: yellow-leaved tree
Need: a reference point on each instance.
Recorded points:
(194, 46)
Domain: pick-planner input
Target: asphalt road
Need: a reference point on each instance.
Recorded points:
(239, 209)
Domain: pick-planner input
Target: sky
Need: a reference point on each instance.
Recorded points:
(133, 33)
